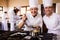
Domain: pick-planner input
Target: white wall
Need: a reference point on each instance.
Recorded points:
(4, 4)
(58, 8)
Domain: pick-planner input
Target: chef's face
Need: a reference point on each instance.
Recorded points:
(48, 10)
(34, 11)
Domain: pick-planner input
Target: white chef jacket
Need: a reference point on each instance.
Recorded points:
(13, 19)
(4, 22)
(32, 21)
(53, 23)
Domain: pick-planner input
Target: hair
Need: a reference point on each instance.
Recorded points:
(5, 12)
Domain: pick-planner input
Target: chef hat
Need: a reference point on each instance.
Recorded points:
(18, 7)
(33, 3)
(47, 3)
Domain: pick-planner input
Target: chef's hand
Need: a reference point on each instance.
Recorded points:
(37, 27)
(24, 17)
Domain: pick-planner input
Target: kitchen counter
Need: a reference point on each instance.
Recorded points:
(17, 35)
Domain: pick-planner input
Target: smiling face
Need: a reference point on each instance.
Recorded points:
(34, 11)
(48, 10)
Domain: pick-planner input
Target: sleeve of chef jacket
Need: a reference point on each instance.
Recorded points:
(58, 26)
(18, 21)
